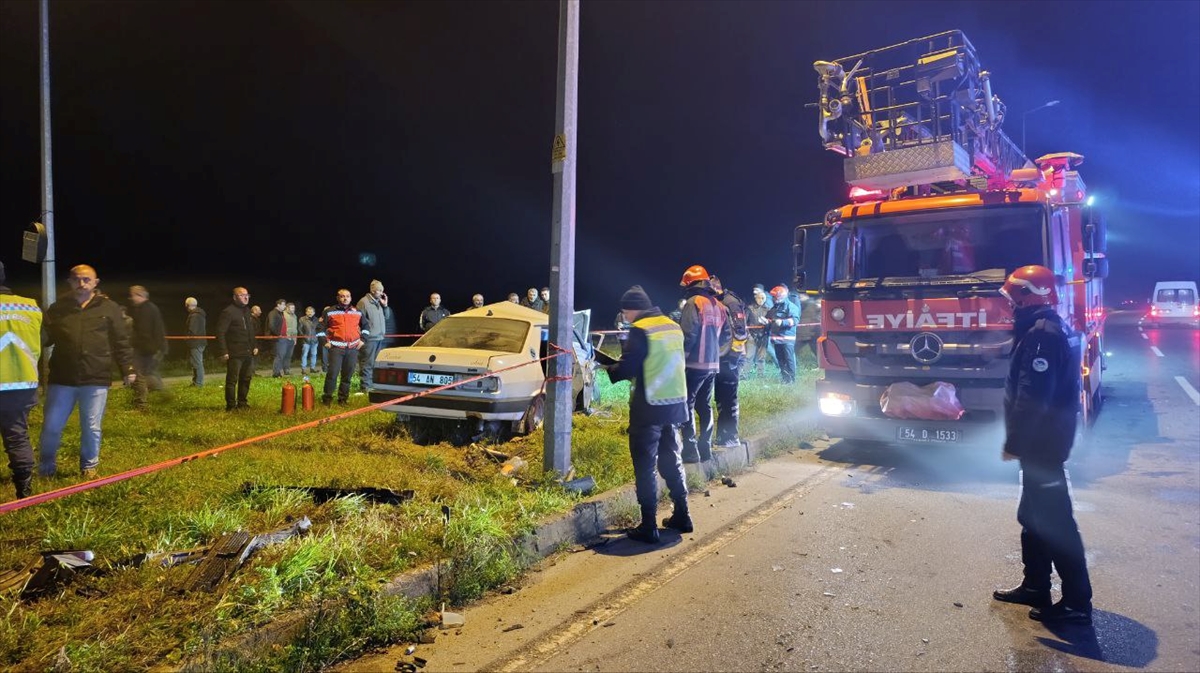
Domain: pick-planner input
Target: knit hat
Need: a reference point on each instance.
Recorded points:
(635, 299)
(759, 286)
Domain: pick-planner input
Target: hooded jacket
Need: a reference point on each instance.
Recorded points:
(706, 329)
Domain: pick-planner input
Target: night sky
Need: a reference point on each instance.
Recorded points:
(202, 144)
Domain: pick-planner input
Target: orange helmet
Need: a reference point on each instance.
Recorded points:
(779, 292)
(1031, 286)
(694, 273)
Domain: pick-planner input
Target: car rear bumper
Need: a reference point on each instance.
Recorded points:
(434, 406)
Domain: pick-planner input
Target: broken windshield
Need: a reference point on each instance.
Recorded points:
(477, 333)
(932, 244)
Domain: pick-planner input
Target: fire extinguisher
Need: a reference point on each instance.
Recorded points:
(288, 406)
(307, 395)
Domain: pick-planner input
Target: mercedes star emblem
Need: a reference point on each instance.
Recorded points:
(926, 348)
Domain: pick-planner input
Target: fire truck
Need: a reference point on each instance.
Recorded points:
(942, 207)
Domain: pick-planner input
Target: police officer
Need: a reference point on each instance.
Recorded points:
(1041, 405)
(782, 319)
(706, 334)
(21, 325)
(732, 359)
(653, 360)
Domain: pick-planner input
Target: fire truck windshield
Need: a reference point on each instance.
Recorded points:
(925, 245)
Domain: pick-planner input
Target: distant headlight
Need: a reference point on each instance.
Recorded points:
(838, 314)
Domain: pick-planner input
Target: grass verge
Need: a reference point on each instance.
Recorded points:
(133, 618)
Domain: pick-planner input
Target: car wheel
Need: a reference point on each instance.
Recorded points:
(534, 415)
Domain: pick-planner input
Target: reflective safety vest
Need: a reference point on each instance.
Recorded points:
(662, 378)
(20, 342)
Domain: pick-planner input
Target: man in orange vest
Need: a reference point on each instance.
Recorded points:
(343, 339)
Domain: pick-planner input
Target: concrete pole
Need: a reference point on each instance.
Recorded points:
(560, 402)
(49, 288)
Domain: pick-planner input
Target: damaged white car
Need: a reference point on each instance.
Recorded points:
(473, 346)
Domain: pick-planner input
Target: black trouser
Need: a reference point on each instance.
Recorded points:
(726, 394)
(238, 372)
(785, 355)
(342, 363)
(146, 366)
(14, 426)
(1049, 535)
(653, 446)
(697, 446)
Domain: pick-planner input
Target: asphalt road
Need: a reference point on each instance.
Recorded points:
(852, 558)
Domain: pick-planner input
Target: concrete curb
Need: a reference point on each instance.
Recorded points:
(585, 522)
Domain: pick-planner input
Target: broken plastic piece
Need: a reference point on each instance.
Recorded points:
(231, 550)
(452, 620)
(322, 494)
(513, 466)
(582, 485)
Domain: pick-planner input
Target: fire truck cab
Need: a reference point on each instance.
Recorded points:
(943, 206)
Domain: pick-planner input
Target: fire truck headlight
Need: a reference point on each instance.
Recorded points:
(838, 314)
(835, 404)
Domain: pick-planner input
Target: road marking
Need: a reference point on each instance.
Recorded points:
(1144, 336)
(623, 598)
(1187, 388)
(1156, 351)
(1139, 328)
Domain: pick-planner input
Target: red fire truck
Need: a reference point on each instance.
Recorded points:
(943, 206)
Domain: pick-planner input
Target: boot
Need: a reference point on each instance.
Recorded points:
(648, 530)
(23, 481)
(679, 520)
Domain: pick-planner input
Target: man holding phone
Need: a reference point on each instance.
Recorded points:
(374, 308)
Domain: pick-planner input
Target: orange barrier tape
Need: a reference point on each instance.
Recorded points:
(56, 494)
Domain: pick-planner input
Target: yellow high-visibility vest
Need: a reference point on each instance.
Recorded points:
(20, 342)
(663, 375)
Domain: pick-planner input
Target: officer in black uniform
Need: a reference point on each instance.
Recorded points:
(1041, 405)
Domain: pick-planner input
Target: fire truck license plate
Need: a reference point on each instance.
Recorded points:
(430, 379)
(912, 434)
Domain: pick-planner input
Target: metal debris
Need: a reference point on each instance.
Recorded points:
(230, 551)
(322, 494)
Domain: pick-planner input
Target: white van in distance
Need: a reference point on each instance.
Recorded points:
(1173, 303)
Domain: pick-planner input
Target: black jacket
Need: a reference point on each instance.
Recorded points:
(235, 332)
(1041, 395)
(641, 412)
(149, 333)
(197, 325)
(87, 341)
(737, 325)
(432, 315)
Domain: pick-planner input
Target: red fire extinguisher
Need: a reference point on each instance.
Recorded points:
(307, 395)
(288, 406)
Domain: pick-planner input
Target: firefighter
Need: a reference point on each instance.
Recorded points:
(782, 319)
(730, 372)
(653, 359)
(706, 334)
(1041, 407)
(21, 324)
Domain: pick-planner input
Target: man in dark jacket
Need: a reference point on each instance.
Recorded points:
(653, 360)
(706, 334)
(236, 345)
(374, 307)
(1041, 406)
(196, 326)
(149, 340)
(732, 359)
(782, 318)
(434, 313)
(88, 335)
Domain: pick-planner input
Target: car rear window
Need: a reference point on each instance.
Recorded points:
(478, 333)
(1183, 296)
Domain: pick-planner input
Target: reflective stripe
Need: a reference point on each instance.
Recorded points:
(346, 344)
(21, 385)
(20, 342)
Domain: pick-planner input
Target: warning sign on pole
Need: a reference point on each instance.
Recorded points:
(560, 148)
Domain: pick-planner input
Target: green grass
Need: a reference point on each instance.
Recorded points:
(130, 618)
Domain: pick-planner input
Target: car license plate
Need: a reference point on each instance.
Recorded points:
(911, 434)
(427, 379)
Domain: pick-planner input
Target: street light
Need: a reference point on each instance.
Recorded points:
(1026, 114)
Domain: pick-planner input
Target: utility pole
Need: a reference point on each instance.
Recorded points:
(48, 274)
(560, 403)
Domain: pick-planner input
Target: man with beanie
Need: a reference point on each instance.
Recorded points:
(21, 330)
(149, 341)
(653, 361)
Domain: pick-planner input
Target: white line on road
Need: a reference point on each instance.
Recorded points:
(1156, 351)
(1144, 336)
(1187, 388)
(1139, 328)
